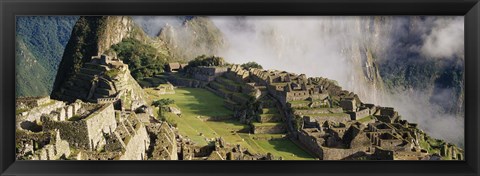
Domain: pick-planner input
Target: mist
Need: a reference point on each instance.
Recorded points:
(337, 47)
(446, 39)
(152, 25)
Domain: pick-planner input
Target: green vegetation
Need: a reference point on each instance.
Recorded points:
(227, 81)
(204, 60)
(199, 104)
(40, 42)
(284, 148)
(75, 118)
(298, 122)
(161, 104)
(270, 110)
(143, 60)
(327, 115)
(430, 144)
(249, 65)
(151, 82)
(112, 73)
(299, 102)
(435, 76)
(268, 115)
(266, 124)
(366, 119)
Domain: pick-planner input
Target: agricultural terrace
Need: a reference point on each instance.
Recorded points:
(197, 105)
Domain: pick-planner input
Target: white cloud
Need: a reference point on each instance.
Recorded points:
(153, 24)
(446, 39)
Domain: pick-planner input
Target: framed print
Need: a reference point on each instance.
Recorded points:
(225, 88)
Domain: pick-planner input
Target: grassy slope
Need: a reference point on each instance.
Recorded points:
(196, 104)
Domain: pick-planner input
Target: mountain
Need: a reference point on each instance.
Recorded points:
(40, 41)
(194, 37)
(197, 33)
(92, 36)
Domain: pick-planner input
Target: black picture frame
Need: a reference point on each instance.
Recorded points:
(468, 8)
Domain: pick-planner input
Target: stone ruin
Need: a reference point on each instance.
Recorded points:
(220, 150)
(83, 131)
(335, 123)
(102, 80)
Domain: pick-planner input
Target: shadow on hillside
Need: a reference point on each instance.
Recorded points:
(285, 145)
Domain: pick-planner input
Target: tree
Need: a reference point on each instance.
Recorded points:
(204, 60)
(161, 104)
(143, 59)
(298, 122)
(249, 65)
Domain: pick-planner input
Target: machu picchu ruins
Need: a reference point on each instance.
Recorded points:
(158, 88)
(102, 113)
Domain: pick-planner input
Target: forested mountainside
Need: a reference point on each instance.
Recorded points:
(40, 42)
(412, 62)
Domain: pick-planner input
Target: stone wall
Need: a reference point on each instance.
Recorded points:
(57, 149)
(137, 146)
(312, 141)
(337, 118)
(360, 141)
(317, 111)
(297, 105)
(348, 104)
(269, 129)
(86, 133)
(185, 82)
(100, 122)
(64, 113)
(75, 132)
(297, 95)
(207, 74)
(359, 114)
(383, 154)
(93, 155)
(340, 153)
(34, 114)
(386, 111)
(163, 142)
(31, 102)
(269, 118)
(389, 143)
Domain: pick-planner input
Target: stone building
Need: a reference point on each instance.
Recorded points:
(174, 67)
